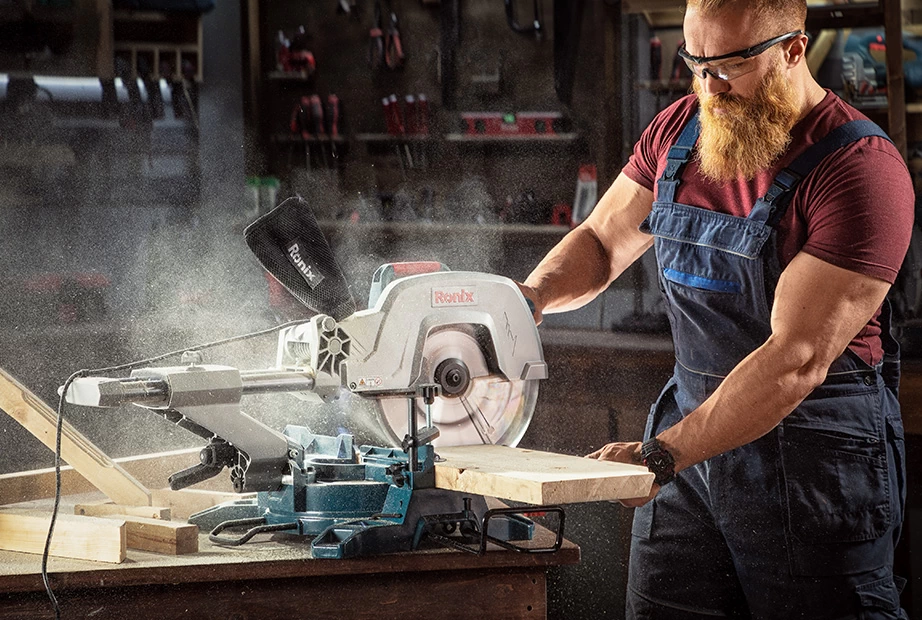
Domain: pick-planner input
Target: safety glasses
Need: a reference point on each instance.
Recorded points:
(730, 66)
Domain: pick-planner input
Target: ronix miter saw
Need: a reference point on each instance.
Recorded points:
(448, 358)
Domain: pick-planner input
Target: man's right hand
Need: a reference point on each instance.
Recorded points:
(532, 296)
(625, 452)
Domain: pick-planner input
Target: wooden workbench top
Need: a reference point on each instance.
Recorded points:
(280, 556)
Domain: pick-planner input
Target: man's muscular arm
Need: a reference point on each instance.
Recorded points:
(586, 261)
(818, 309)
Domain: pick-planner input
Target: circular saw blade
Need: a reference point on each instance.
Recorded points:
(492, 409)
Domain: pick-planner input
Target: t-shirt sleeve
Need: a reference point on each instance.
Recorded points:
(859, 209)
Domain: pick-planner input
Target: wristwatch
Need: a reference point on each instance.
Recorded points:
(658, 460)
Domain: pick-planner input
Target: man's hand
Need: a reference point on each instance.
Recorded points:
(625, 452)
(532, 295)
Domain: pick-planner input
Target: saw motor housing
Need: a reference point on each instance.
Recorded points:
(379, 352)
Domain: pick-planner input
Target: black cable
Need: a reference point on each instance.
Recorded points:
(60, 428)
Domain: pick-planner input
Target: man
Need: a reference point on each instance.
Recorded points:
(777, 445)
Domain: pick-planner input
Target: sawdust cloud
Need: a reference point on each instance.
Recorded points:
(168, 272)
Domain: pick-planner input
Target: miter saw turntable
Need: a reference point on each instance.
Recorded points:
(448, 358)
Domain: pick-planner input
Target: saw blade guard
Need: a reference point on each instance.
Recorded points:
(471, 333)
(477, 405)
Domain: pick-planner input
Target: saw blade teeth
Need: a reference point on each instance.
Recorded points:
(502, 408)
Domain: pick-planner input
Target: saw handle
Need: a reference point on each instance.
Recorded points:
(212, 460)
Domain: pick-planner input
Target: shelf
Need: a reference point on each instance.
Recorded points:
(409, 229)
(291, 138)
(835, 16)
(669, 14)
(517, 140)
(149, 39)
(390, 138)
(291, 76)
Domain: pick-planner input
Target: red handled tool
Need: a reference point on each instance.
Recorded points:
(376, 42)
(393, 47)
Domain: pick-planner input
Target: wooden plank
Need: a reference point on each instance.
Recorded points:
(187, 502)
(152, 470)
(159, 536)
(104, 509)
(537, 477)
(84, 538)
(41, 420)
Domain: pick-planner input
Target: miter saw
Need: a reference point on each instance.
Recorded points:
(449, 358)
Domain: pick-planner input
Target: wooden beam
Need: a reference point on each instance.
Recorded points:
(41, 420)
(105, 509)
(186, 502)
(896, 85)
(537, 477)
(83, 538)
(159, 536)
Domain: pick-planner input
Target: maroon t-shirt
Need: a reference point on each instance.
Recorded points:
(855, 210)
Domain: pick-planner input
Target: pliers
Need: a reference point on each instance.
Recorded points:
(393, 48)
(376, 43)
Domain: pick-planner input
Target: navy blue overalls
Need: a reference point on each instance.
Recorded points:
(802, 522)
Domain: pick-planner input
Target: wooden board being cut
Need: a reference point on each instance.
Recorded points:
(537, 477)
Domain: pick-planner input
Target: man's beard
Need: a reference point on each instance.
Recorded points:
(750, 134)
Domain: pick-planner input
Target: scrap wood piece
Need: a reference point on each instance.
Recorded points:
(186, 502)
(41, 420)
(104, 509)
(537, 477)
(82, 538)
(159, 536)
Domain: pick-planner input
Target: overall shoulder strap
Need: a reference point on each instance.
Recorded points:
(677, 158)
(771, 208)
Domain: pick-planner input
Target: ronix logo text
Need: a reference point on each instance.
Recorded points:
(453, 297)
(307, 271)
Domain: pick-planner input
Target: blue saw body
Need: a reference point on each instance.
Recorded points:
(360, 502)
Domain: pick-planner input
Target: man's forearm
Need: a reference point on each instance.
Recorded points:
(760, 392)
(572, 274)
(585, 262)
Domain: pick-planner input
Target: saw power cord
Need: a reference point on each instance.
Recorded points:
(60, 428)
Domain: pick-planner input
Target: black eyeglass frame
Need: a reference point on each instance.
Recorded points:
(749, 52)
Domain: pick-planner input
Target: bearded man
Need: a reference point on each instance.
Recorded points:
(780, 217)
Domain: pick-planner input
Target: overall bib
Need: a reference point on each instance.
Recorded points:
(802, 522)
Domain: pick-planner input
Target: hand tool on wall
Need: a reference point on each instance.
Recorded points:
(535, 27)
(348, 8)
(449, 40)
(376, 39)
(656, 58)
(300, 125)
(680, 70)
(333, 116)
(318, 126)
(282, 51)
(393, 46)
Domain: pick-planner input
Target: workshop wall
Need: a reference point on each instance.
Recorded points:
(495, 70)
(121, 240)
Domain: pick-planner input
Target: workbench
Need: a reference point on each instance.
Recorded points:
(275, 577)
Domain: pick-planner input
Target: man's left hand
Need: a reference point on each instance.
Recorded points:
(625, 452)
